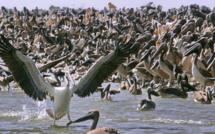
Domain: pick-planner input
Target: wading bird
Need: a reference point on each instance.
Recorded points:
(29, 79)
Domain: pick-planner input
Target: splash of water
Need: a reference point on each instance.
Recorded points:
(6, 88)
(35, 114)
(41, 109)
(27, 113)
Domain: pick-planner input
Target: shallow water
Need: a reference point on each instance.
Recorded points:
(19, 114)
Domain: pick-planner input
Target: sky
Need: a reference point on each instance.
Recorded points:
(99, 4)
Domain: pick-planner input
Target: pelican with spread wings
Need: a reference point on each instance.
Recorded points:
(29, 79)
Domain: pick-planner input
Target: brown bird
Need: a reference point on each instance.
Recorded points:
(148, 104)
(203, 97)
(200, 77)
(94, 115)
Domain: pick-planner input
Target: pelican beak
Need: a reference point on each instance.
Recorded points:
(153, 92)
(159, 50)
(135, 47)
(155, 65)
(89, 116)
(211, 59)
(145, 55)
(149, 44)
(151, 61)
(190, 45)
(107, 88)
(211, 64)
(194, 49)
(203, 40)
(147, 52)
(86, 43)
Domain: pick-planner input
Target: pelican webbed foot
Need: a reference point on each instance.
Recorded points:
(69, 123)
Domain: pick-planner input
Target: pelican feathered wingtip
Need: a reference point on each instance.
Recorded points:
(104, 67)
(5, 46)
(24, 71)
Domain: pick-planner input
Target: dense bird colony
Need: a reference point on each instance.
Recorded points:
(63, 52)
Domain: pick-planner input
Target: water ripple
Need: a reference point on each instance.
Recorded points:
(161, 120)
(172, 121)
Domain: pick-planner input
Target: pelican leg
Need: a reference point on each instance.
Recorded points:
(170, 82)
(154, 79)
(9, 87)
(136, 77)
(54, 122)
(69, 117)
(161, 80)
(143, 83)
(70, 122)
(129, 80)
(120, 78)
(62, 78)
(203, 88)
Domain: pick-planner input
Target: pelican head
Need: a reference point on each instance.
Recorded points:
(150, 90)
(203, 41)
(149, 44)
(92, 115)
(105, 94)
(194, 49)
(162, 48)
(147, 52)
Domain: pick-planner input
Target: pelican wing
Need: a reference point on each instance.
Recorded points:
(24, 71)
(170, 90)
(53, 63)
(41, 69)
(6, 81)
(100, 71)
(205, 73)
(169, 65)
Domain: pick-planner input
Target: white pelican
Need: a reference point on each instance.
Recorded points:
(29, 79)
